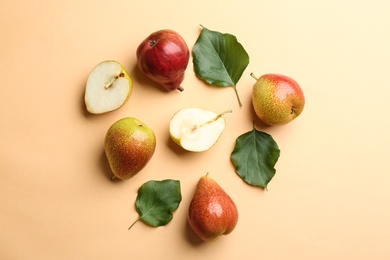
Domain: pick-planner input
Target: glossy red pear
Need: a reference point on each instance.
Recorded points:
(163, 57)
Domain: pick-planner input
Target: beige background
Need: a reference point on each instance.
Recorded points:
(329, 198)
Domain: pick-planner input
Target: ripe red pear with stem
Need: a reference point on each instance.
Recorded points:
(163, 57)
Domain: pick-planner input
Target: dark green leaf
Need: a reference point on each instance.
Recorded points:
(254, 156)
(157, 200)
(219, 58)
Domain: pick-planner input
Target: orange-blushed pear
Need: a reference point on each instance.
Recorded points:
(212, 212)
(277, 99)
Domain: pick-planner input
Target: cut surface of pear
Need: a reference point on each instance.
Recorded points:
(196, 129)
(108, 87)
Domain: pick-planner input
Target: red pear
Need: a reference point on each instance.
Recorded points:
(163, 57)
(212, 212)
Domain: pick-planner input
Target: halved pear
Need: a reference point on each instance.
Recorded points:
(108, 87)
(196, 129)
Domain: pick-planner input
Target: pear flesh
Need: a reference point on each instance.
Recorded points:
(212, 212)
(196, 129)
(108, 87)
(129, 145)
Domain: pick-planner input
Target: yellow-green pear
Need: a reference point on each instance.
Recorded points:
(129, 145)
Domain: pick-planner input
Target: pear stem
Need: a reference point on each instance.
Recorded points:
(180, 88)
(224, 112)
(253, 76)
(238, 97)
(133, 224)
(212, 120)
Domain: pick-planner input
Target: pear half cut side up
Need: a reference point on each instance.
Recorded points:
(197, 129)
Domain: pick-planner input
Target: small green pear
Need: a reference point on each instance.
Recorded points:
(212, 212)
(277, 99)
(129, 145)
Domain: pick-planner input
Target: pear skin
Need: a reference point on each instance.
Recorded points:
(129, 145)
(212, 212)
(277, 99)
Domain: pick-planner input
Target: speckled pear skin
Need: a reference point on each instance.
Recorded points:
(277, 99)
(212, 212)
(129, 145)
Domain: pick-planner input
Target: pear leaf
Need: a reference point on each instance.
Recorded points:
(254, 156)
(219, 59)
(156, 200)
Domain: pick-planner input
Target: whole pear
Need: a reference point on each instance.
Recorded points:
(129, 145)
(277, 99)
(163, 57)
(212, 212)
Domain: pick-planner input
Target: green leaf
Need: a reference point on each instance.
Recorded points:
(254, 156)
(219, 59)
(156, 200)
